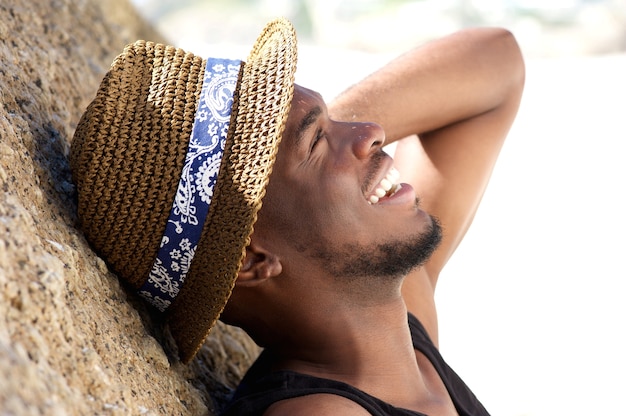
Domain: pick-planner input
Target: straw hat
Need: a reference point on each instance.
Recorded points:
(171, 160)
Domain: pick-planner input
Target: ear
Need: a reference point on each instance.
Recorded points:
(258, 265)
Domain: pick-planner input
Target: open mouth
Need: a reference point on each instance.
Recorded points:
(386, 188)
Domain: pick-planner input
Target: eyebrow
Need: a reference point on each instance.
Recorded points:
(306, 122)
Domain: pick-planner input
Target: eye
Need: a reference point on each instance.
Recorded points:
(318, 136)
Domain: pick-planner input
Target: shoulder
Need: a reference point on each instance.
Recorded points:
(318, 405)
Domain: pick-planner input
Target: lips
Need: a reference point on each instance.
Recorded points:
(386, 188)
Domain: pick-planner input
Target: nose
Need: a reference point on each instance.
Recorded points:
(365, 138)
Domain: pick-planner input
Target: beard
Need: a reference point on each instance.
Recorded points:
(386, 260)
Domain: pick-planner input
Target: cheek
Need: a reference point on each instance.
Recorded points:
(312, 207)
(290, 217)
(278, 217)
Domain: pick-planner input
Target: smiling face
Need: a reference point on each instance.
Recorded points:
(333, 199)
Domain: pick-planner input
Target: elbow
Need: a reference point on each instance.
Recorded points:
(512, 60)
(498, 57)
(507, 60)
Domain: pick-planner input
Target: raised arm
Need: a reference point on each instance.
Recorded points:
(460, 95)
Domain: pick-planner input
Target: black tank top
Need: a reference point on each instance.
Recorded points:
(261, 388)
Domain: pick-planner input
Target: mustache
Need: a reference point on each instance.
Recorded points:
(375, 163)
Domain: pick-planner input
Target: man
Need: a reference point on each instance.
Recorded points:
(336, 280)
(332, 268)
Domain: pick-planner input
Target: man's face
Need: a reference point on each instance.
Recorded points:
(332, 198)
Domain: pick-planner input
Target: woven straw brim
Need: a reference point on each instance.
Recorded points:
(259, 115)
(129, 150)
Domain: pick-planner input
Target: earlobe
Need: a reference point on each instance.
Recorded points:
(258, 266)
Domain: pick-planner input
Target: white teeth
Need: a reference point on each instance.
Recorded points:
(387, 186)
(393, 174)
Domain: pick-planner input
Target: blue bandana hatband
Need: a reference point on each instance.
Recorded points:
(196, 185)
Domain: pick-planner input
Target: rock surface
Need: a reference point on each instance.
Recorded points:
(72, 340)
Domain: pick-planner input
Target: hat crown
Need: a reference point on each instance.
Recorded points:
(129, 149)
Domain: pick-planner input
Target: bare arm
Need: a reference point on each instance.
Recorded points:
(460, 95)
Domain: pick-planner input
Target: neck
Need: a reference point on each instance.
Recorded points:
(368, 347)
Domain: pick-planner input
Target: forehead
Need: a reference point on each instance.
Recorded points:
(303, 97)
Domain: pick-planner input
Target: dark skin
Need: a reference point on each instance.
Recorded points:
(449, 105)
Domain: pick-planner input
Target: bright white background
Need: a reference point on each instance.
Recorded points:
(532, 310)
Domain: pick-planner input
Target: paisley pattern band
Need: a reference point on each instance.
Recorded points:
(195, 188)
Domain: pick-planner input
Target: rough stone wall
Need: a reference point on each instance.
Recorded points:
(72, 340)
